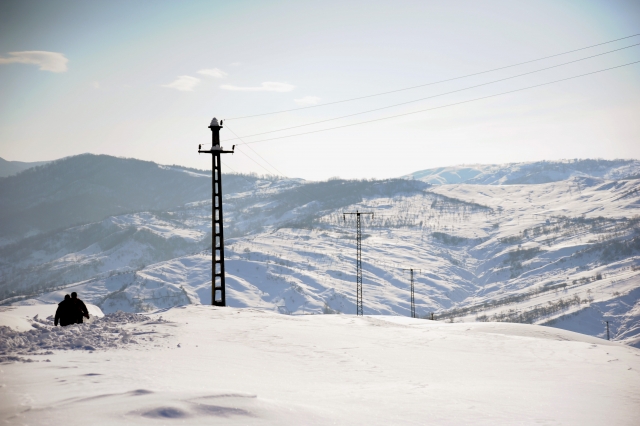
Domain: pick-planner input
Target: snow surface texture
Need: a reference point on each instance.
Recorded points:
(230, 366)
(20, 318)
(563, 253)
(99, 332)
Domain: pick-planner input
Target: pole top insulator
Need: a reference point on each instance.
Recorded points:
(214, 123)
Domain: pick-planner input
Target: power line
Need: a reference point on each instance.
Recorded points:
(246, 155)
(433, 96)
(263, 159)
(228, 167)
(442, 106)
(243, 153)
(432, 83)
(281, 174)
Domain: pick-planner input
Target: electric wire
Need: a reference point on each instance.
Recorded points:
(433, 96)
(241, 152)
(227, 166)
(432, 83)
(443, 106)
(246, 155)
(281, 174)
(263, 159)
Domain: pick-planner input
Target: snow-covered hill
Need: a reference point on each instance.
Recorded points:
(88, 188)
(199, 365)
(528, 173)
(563, 253)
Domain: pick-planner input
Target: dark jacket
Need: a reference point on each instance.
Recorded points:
(66, 313)
(81, 310)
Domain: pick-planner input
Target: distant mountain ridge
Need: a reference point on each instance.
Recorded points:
(528, 173)
(88, 188)
(8, 168)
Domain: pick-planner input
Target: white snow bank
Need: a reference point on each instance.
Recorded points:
(233, 366)
(20, 318)
(503, 328)
(99, 333)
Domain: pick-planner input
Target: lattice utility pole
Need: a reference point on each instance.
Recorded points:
(359, 308)
(218, 297)
(413, 299)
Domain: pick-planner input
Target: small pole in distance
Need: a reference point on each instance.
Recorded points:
(413, 299)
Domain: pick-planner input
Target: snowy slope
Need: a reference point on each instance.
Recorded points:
(476, 245)
(562, 253)
(205, 365)
(528, 173)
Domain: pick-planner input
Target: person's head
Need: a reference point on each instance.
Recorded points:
(67, 297)
(74, 295)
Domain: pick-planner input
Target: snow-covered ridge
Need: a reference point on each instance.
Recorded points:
(529, 173)
(562, 253)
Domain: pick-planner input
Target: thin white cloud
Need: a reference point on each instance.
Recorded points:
(307, 100)
(185, 83)
(213, 72)
(267, 86)
(47, 61)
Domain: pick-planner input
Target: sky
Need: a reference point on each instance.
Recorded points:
(143, 80)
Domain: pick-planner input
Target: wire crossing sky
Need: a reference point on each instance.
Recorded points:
(144, 79)
(433, 96)
(451, 79)
(242, 142)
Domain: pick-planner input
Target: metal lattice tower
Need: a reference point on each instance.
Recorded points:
(359, 307)
(413, 298)
(218, 297)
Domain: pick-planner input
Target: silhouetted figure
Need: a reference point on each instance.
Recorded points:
(66, 312)
(81, 308)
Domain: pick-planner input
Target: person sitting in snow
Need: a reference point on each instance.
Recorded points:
(66, 312)
(81, 308)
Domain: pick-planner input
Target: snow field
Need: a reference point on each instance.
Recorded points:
(247, 366)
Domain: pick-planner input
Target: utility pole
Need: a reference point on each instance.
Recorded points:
(218, 297)
(413, 299)
(607, 329)
(359, 308)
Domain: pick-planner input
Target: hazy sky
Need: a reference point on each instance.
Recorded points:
(143, 79)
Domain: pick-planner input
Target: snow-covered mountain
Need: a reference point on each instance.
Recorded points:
(529, 173)
(564, 252)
